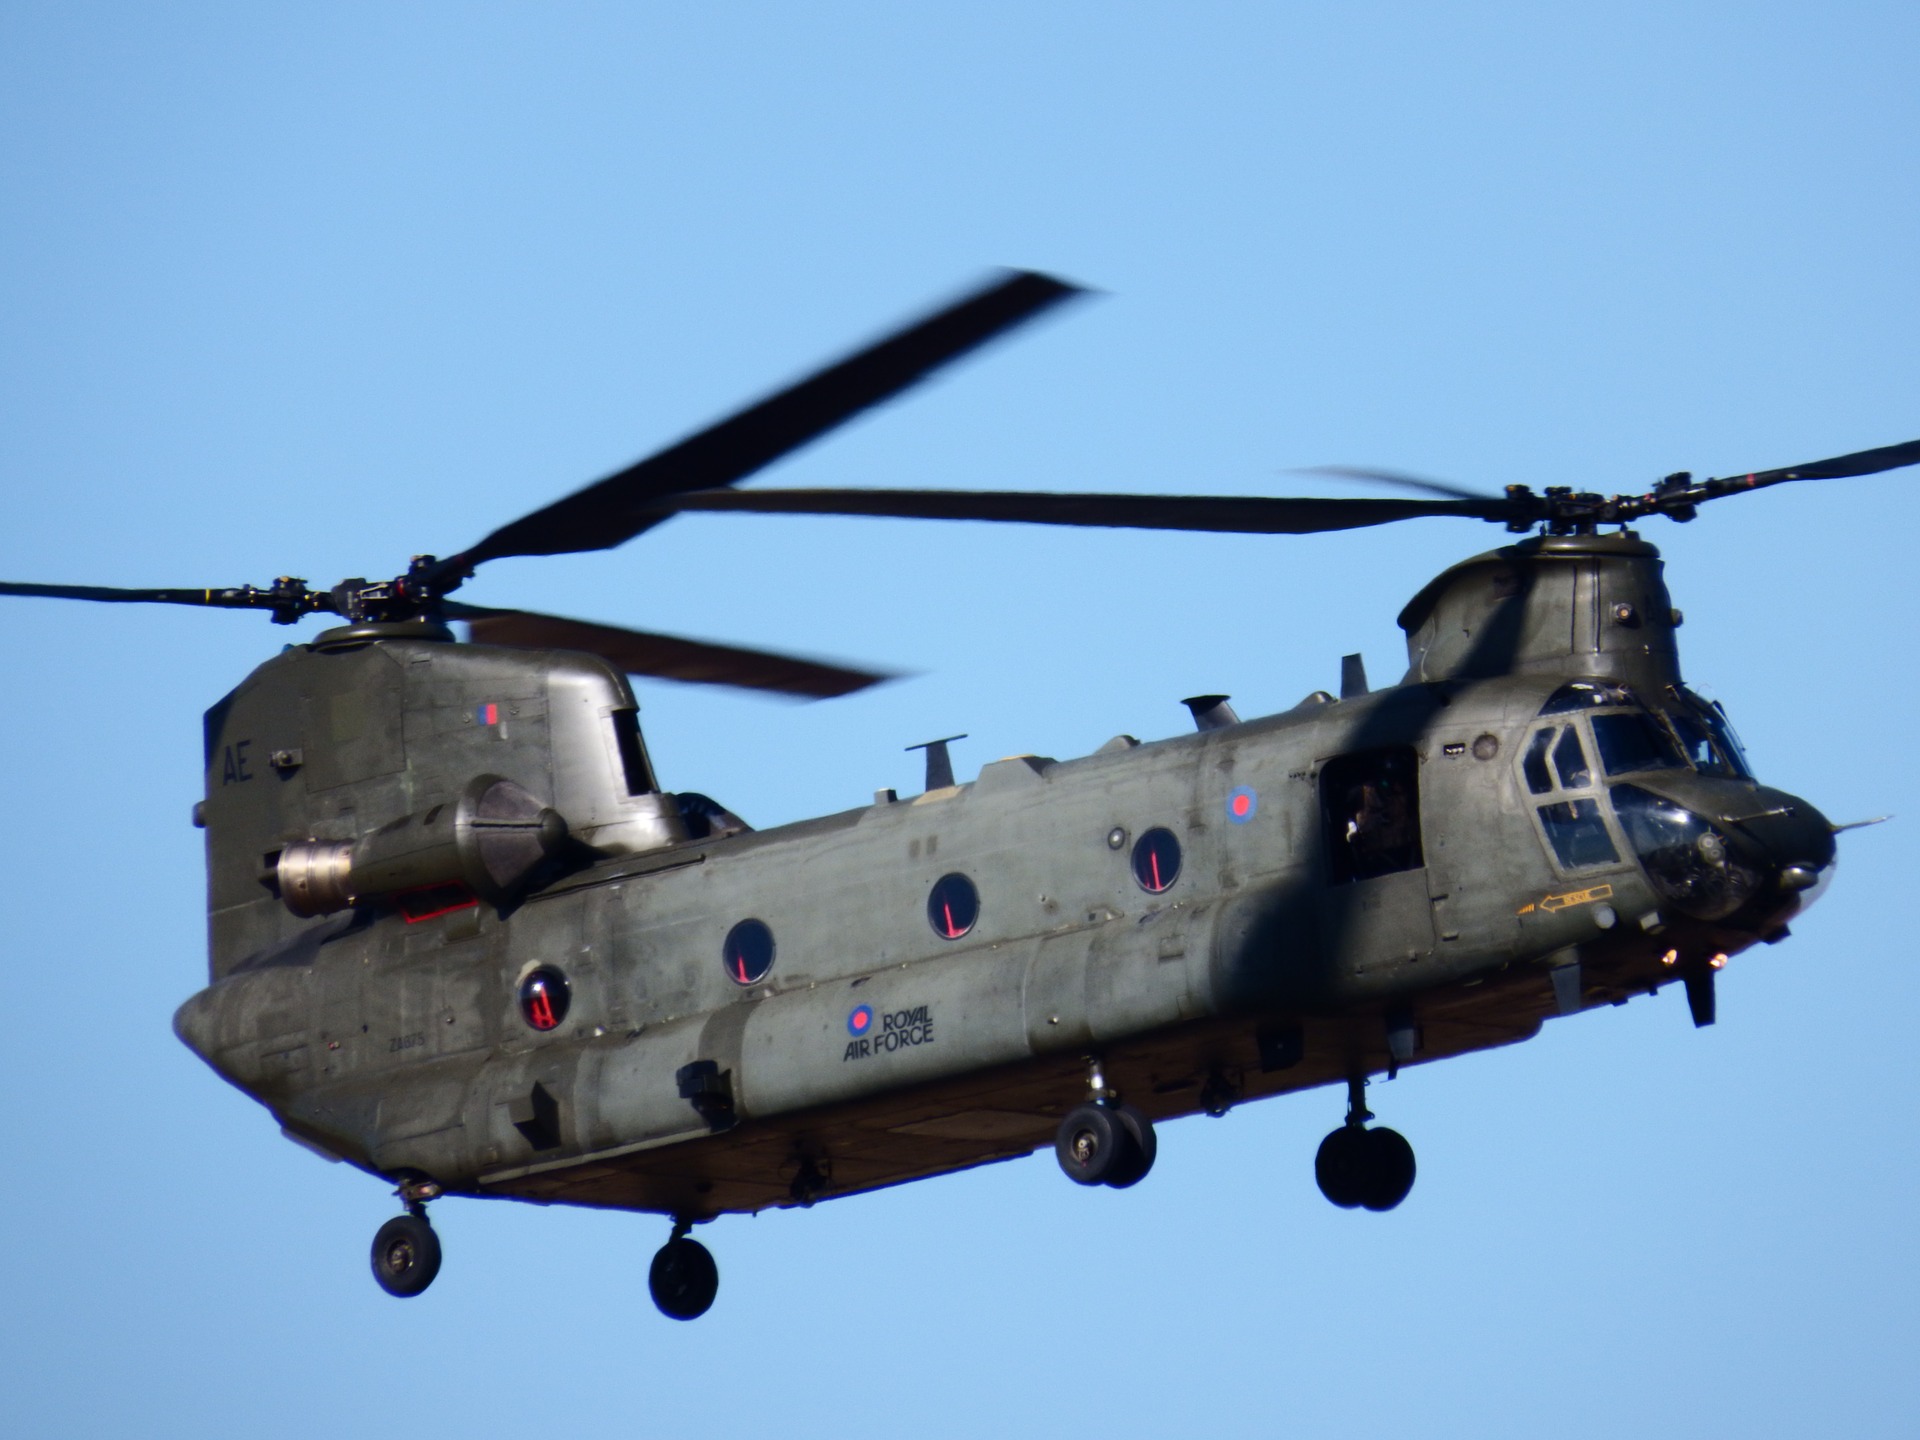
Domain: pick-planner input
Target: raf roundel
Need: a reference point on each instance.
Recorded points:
(1242, 803)
(860, 1020)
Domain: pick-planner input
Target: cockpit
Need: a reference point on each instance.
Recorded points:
(1595, 738)
(1687, 731)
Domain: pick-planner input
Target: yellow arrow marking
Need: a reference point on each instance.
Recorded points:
(1550, 903)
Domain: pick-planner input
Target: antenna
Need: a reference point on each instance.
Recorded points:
(939, 763)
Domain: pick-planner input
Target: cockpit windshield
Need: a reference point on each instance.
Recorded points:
(1695, 732)
(1588, 695)
(1633, 741)
(1707, 737)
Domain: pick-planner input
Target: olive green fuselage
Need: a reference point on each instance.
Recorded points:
(876, 1049)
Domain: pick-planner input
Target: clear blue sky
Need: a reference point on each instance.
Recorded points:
(304, 290)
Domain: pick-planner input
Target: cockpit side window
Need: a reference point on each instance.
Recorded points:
(1570, 759)
(1577, 833)
(1534, 767)
(1573, 824)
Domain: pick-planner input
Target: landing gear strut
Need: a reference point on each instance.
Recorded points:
(683, 1278)
(406, 1251)
(1104, 1142)
(1358, 1167)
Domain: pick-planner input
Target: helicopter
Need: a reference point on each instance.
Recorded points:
(460, 938)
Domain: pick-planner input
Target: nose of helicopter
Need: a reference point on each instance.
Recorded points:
(1719, 850)
(1796, 842)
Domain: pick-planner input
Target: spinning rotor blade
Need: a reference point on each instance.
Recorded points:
(1861, 462)
(114, 594)
(1519, 509)
(666, 657)
(615, 509)
(289, 598)
(1230, 514)
(1396, 477)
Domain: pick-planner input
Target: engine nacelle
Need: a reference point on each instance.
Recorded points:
(489, 840)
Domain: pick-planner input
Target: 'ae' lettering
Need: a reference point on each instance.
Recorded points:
(236, 763)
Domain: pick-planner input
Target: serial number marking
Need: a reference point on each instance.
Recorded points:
(406, 1042)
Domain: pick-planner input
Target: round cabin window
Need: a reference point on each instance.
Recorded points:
(952, 906)
(1156, 860)
(544, 997)
(748, 952)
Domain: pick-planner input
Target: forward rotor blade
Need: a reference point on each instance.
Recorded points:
(668, 657)
(1396, 477)
(1861, 462)
(1229, 514)
(615, 509)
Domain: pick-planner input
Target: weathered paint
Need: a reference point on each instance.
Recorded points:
(401, 1047)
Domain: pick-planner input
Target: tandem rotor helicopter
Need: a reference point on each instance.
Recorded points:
(461, 939)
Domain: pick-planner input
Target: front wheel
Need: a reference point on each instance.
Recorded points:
(1132, 1168)
(1389, 1168)
(1095, 1147)
(1340, 1167)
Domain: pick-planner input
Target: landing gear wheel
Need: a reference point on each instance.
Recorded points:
(1131, 1167)
(1359, 1168)
(406, 1255)
(1340, 1167)
(683, 1279)
(1389, 1169)
(1094, 1145)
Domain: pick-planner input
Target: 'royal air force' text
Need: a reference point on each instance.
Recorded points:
(897, 1031)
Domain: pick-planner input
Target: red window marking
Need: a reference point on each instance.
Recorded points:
(540, 1009)
(953, 932)
(740, 965)
(433, 902)
(1153, 861)
(1241, 804)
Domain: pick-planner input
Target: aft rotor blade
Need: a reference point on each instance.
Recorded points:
(1861, 462)
(667, 657)
(1229, 514)
(615, 509)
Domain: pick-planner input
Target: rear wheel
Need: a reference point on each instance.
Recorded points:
(406, 1255)
(683, 1279)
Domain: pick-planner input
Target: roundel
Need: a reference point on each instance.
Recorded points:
(1242, 802)
(860, 1020)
